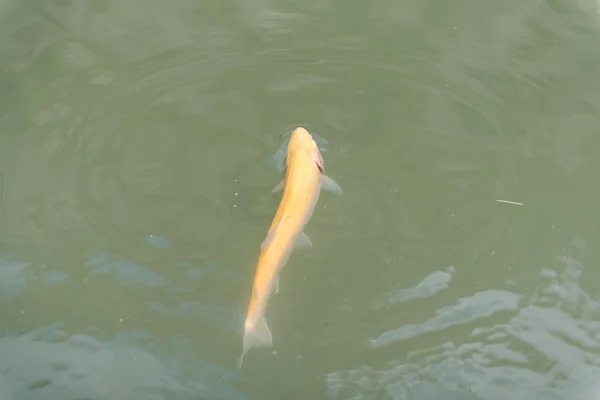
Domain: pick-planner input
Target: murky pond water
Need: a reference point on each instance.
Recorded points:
(139, 144)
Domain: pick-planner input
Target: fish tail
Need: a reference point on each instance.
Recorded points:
(241, 360)
(257, 336)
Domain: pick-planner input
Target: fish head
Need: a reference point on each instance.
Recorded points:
(301, 142)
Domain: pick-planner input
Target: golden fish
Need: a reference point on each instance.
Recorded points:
(302, 185)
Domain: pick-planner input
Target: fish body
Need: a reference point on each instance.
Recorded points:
(302, 185)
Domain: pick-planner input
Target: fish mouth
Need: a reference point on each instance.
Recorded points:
(277, 160)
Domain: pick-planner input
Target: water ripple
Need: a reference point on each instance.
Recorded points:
(543, 351)
(429, 286)
(79, 366)
(13, 276)
(140, 124)
(481, 305)
(126, 272)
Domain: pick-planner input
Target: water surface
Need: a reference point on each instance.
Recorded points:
(139, 144)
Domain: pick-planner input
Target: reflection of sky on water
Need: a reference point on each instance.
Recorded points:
(13, 277)
(214, 314)
(54, 277)
(47, 365)
(481, 305)
(507, 355)
(545, 346)
(429, 286)
(158, 242)
(214, 271)
(127, 272)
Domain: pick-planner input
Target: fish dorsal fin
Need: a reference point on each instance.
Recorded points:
(271, 234)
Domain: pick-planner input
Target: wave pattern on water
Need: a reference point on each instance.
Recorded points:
(47, 364)
(129, 122)
(549, 347)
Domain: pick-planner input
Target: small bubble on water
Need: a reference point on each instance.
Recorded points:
(120, 319)
(236, 193)
(234, 206)
(547, 273)
(274, 352)
(158, 242)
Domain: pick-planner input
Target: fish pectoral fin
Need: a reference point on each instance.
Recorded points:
(330, 185)
(268, 239)
(279, 187)
(303, 241)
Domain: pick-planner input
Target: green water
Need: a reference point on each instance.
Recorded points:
(138, 146)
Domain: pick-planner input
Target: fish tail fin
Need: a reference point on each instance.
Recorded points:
(257, 336)
(241, 360)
